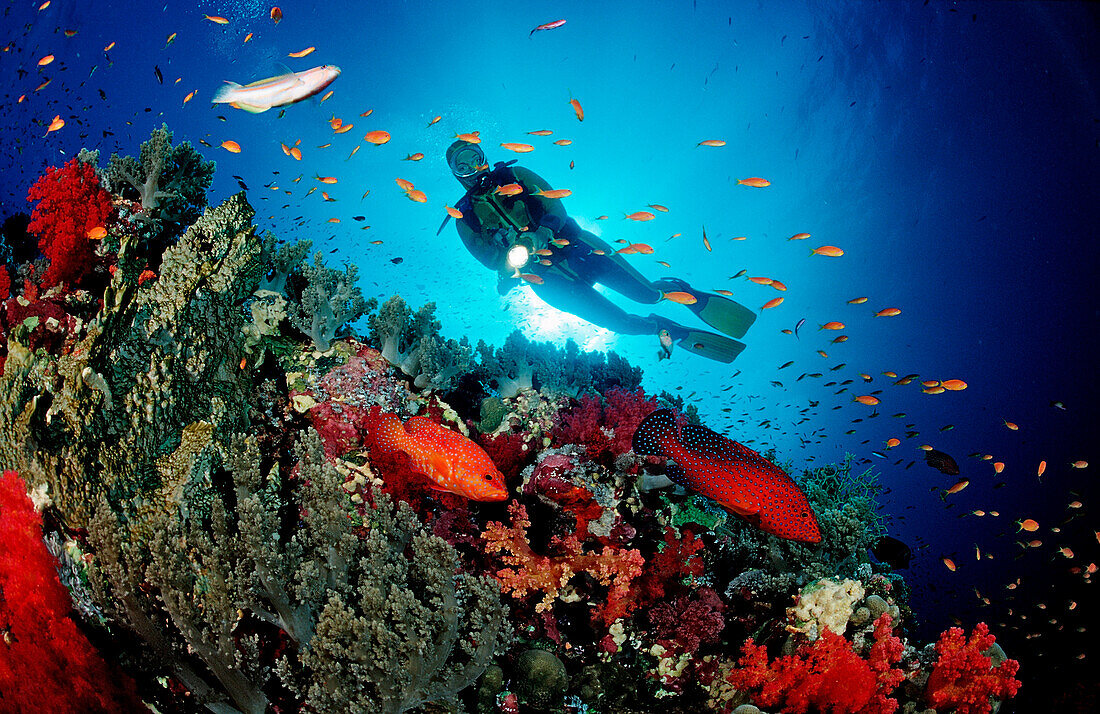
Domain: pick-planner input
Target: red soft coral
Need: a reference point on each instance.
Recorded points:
(963, 678)
(827, 675)
(46, 662)
(605, 426)
(70, 203)
(675, 560)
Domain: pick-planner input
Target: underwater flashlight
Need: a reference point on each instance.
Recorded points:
(518, 255)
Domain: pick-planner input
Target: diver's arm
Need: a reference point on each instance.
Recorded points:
(488, 253)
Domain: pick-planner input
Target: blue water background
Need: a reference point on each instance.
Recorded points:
(949, 148)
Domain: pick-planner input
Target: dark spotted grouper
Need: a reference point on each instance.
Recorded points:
(732, 474)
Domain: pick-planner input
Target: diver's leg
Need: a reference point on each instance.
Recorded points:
(612, 270)
(588, 304)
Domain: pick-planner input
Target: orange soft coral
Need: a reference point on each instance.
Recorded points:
(528, 572)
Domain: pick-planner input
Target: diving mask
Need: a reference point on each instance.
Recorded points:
(467, 161)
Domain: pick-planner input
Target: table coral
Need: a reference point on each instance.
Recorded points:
(963, 679)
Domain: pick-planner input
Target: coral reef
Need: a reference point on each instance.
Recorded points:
(329, 302)
(190, 411)
(964, 678)
(70, 203)
(170, 182)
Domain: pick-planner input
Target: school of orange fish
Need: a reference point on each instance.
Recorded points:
(1031, 535)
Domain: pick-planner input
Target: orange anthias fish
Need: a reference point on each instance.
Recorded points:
(732, 474)
(450, 461)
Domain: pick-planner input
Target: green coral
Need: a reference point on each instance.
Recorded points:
(170, 181)
(157, 358)
(329, 302)
(492, 414)
(520, 364)
(378, 622)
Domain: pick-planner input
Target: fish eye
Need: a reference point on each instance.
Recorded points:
(488, 477)
(805, 514)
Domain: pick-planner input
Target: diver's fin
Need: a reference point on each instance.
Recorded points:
(723, 314)
(707, 344)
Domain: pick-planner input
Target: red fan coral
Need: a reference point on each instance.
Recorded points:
(964, 679)
(827, 675)
(70, 203)
(46, 663)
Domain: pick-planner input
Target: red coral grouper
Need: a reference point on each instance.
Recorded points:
(732, 474)
(449, 460)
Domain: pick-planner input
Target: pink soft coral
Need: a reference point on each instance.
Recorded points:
(70, 204)
(827, 675)
(964, 678)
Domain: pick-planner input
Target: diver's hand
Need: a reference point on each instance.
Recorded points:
(540, 238)
(505, 283)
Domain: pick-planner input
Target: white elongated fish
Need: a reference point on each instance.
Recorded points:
(277, 91)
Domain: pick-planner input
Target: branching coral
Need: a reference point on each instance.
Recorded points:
(46, 662)
(527, 572)
(964, 677)
(70, 204)
(369, 612)
(604, 425)
(519, 364)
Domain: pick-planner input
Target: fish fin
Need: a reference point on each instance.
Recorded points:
(747, 508)
(385, 431)
(224, 92)
(676, 475)
(250, 108)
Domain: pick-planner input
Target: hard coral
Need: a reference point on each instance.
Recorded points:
(827, 675)
(963, 678)
(70, 203)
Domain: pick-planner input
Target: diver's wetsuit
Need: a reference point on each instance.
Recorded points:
(490, 221)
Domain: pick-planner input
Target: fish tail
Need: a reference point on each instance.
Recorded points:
(386, 432)
(654, 432)
(225, 92)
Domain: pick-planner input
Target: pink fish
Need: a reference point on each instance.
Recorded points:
(450, 461)
(276, 91)
(547, 26)
(732, 474)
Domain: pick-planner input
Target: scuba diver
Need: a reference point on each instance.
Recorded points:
(514, 229)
